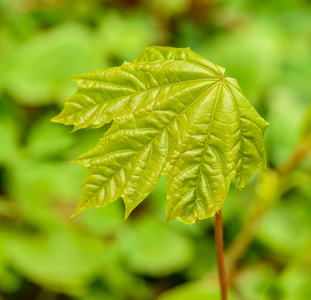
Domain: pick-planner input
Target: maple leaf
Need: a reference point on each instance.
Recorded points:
(173, 113)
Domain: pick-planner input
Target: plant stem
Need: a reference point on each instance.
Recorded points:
(220, 256)
(298, 155)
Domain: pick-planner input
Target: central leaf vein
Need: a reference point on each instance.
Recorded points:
(204, 150)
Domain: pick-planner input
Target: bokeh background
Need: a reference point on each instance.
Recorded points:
(44, 255)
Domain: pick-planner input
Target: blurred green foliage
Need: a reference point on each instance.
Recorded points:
(44, 255)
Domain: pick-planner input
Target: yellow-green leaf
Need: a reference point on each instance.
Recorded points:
(174, 113)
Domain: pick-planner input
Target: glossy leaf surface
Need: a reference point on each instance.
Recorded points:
(173, 113)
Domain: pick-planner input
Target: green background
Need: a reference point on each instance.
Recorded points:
(44, 255)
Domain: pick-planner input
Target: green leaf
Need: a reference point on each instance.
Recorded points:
(158, 250)
(34, 73)
(199, 290)
(174, 114)
(66, 269)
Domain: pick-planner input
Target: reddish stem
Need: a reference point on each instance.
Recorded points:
(220, 256)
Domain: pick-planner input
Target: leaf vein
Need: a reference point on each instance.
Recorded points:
(206, 142)
(140, 92)
(153, 139)
(240, 125)
(141, 178)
